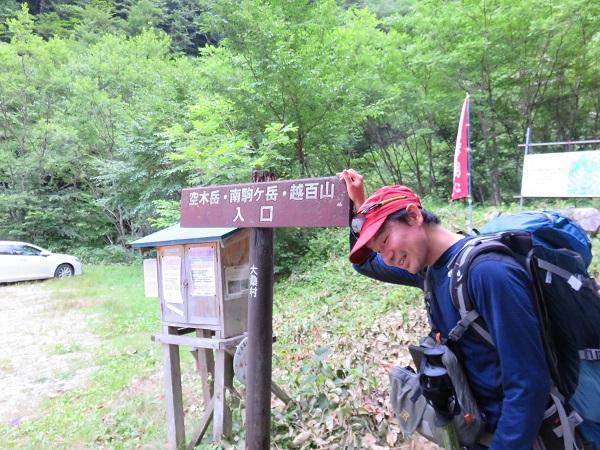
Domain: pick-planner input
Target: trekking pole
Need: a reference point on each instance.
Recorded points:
(436, 387)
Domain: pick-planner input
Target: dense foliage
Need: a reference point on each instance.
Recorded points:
(108, 108)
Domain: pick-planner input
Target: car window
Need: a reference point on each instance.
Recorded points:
(10, 249)
(6, 249)
(28, 250)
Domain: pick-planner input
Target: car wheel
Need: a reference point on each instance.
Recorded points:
(64, 270)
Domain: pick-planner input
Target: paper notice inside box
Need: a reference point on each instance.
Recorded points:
(202, 268)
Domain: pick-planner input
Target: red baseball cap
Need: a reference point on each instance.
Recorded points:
(373, 213)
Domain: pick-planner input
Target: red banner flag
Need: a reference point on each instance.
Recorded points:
(460, 187)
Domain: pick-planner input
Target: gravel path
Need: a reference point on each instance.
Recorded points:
(45, 348)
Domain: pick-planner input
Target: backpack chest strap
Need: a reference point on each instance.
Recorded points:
(469, 320)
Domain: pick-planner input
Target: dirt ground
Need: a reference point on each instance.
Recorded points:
(45, 348)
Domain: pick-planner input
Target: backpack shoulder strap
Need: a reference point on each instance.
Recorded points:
(476, 250)
(427, 292)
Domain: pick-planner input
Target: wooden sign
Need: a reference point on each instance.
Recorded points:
(310, 202)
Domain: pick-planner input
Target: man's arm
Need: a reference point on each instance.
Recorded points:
(354, 185)
(502, 293)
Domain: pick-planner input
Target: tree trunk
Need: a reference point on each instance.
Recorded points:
(300, 152)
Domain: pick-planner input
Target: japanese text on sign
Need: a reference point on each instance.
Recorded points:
(308, 202)
(253, 282)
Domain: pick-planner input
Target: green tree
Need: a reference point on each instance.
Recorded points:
(127, 90)
(82, 158)
(142, 15)
(181, 20)
(309, 65)
(8, 9)
(211, 149)
(40, 196)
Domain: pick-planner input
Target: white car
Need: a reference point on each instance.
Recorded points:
(21, 261)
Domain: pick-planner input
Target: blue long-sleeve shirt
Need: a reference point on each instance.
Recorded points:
(512, 383)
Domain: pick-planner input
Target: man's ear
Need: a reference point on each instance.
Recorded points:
(414, 214)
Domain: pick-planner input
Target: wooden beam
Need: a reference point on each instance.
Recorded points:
(223, 379)
(173, 396)
(208, 415)
(199, 342)
(206, 367)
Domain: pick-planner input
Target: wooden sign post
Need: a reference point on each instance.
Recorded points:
(262, 206)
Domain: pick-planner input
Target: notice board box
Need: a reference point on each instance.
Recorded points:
(202, 277)
(205, 285)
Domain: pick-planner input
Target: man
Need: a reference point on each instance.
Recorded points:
(394, 240)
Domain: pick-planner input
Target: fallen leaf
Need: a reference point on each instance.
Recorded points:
(369, 439)
(391, 437)
(302, 438)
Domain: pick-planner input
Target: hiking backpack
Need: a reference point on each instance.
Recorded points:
(556, 253)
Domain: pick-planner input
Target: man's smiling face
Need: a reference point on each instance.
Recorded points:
(402, 245)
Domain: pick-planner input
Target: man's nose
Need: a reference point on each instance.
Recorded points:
(387, 257)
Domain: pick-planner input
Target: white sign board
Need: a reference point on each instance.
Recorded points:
(150, 278)
(568, 174)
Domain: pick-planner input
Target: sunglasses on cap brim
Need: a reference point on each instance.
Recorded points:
(359, 219)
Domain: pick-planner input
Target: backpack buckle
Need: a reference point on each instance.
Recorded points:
(590, 354)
